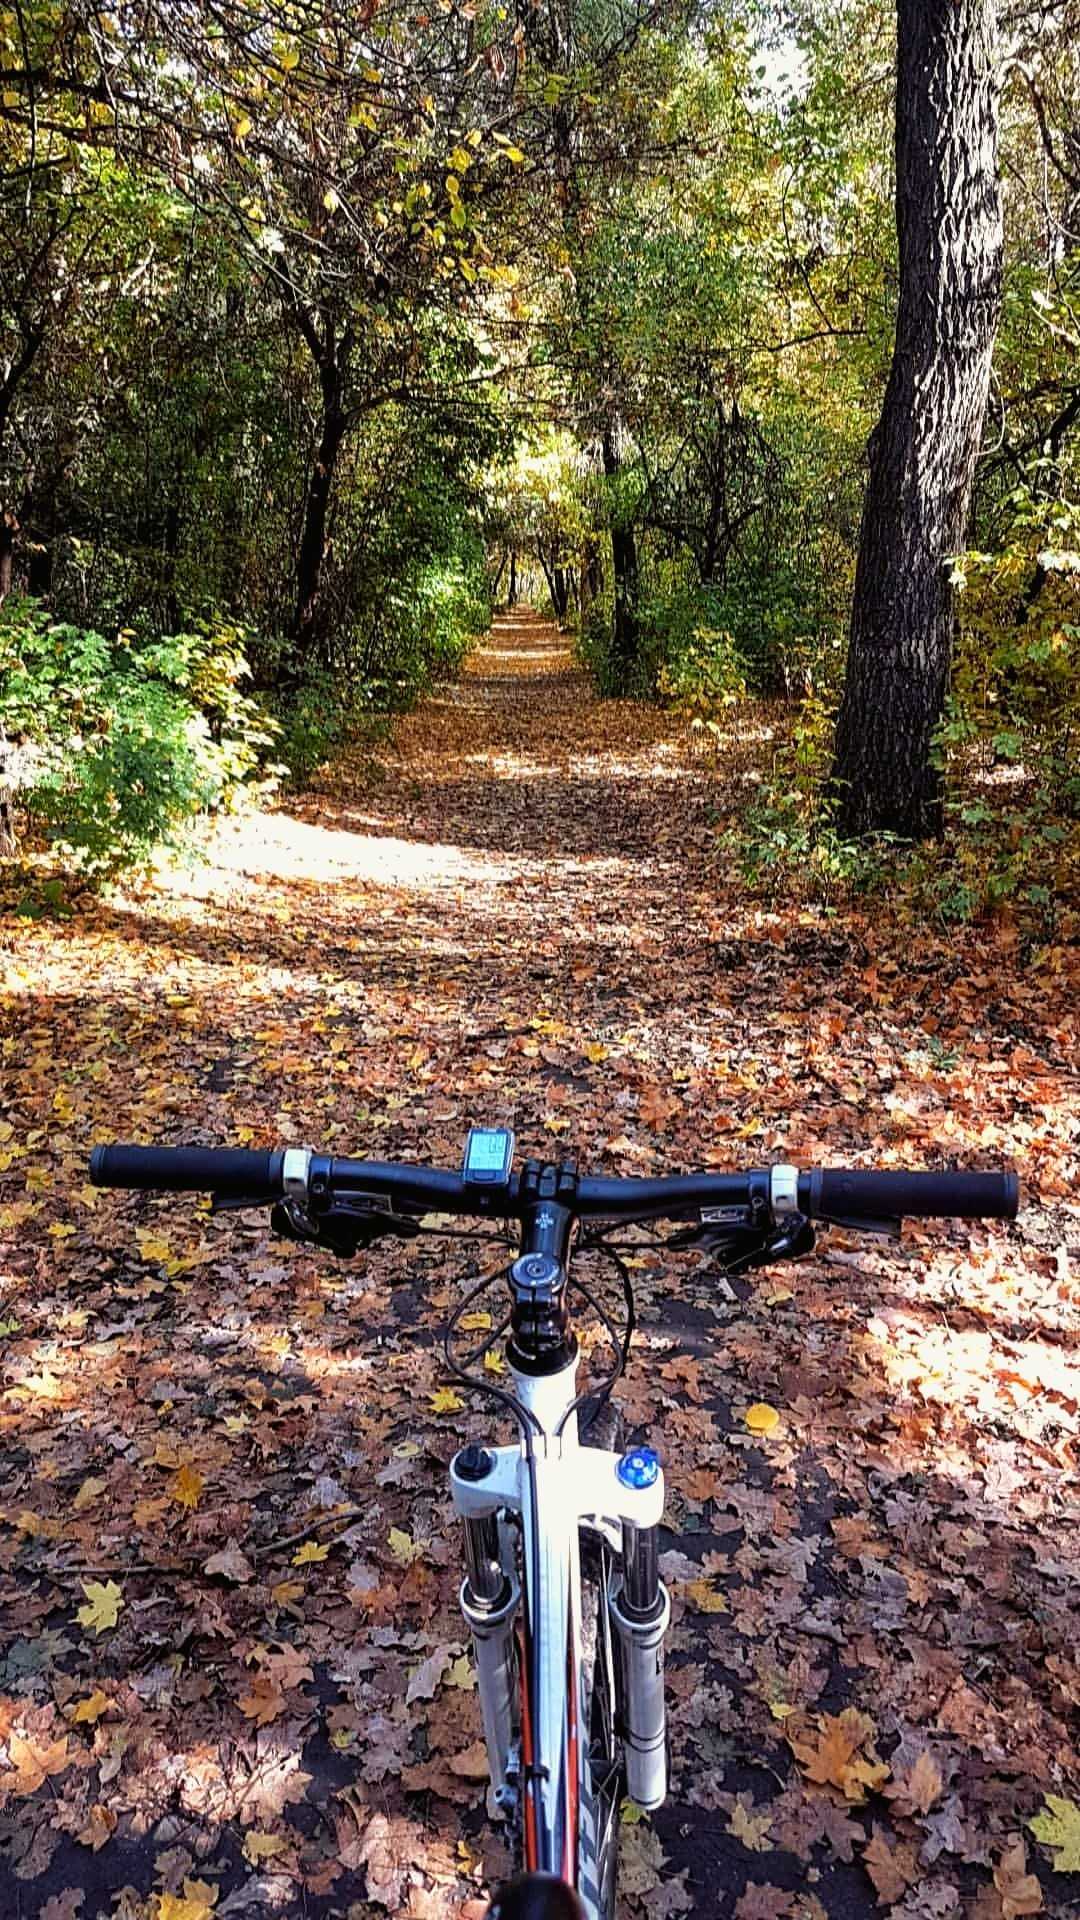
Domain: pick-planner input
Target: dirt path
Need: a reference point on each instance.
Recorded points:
(219, 1699)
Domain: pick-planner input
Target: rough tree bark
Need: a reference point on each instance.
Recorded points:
(924, 448)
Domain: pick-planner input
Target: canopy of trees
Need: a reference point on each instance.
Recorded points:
(320, 325)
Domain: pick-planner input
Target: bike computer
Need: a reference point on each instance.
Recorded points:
(489, 1156)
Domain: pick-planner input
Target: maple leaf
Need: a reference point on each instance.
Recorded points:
(917, 1790)
(34, 1763)
(833, 1758)
(403, 1547)
(751, 1824)
(706, 1596)
(89, 1711)
(103, 1604)
(445, 1400)
(310, 1553)
(197, 1902)
(1020, 1890)
(264, 1701)
(1057, 1826)
(763, 1901)
(63, 1906)
(892, 1869)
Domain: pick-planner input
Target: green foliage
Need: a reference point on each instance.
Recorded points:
(787, 842)
(127, 741)
(699, 663)
(1015, 695)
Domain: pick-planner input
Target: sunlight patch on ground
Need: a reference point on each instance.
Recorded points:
(278, 847)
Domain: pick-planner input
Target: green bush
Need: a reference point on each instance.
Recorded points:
(129, 740)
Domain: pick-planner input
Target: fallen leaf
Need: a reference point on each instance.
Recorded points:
(893, 1869)
(832, 1757)
(34, 1762)
(263, 1846)
(919, 1789)
(230, 1564)
(1020, 1890)
(311, 1553)
(1058, 1827)
(761, 1418)
(103, 1604)
(197, 1902)
(89, 1711)
(445, 1400)
(186, 1487)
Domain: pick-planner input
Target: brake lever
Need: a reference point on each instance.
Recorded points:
(343, 1229)
(887, 1228)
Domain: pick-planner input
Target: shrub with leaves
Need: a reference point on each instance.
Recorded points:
(129, 740)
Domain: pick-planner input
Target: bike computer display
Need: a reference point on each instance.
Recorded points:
(489, 1156)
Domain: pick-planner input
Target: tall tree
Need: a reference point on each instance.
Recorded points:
(925, 446)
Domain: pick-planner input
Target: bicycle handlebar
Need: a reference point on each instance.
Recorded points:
(826, 1193)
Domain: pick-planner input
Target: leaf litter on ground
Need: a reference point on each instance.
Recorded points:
(231, 1655)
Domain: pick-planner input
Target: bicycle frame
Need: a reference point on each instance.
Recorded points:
(538, 1750)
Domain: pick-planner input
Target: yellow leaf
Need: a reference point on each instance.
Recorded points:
(34, 1764)
(445, 1400)
(43, 1385)
(89, 1711)
(151, 1247)
(197, 1902)
(310, 1552)
(263, 1846)
(103, 1604)
(242, 127)
(186, 1487)
(1058, 1827)
(705, 1596)
(596, 1051)
(403, 1547)
(331, 200)
(761, 1418)
(474, 1322)
(289, 59)
(36, 1525)
(494, 1362)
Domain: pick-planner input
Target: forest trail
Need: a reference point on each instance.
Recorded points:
(230, 1675)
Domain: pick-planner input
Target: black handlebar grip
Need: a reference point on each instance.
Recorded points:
(234, 1172)
(836, 1193)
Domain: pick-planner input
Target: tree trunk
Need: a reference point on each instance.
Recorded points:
(313, 540)
(626, 633)
(924, 448)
